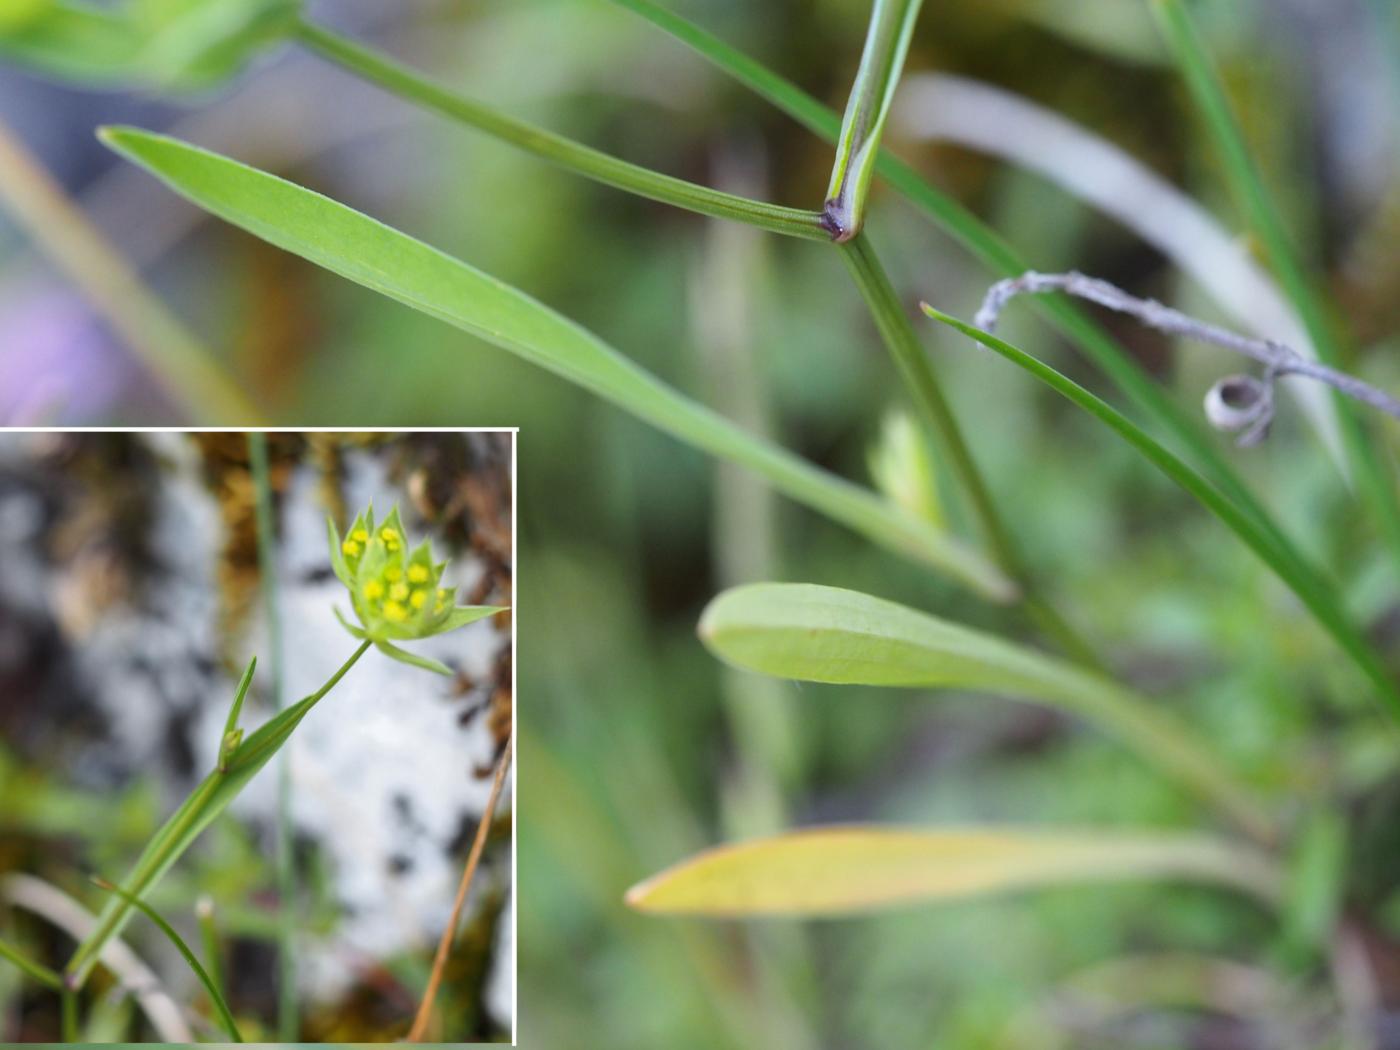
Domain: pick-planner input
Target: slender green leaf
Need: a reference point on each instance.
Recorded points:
(824, 634)
(1313, 592)
(394, 264)
(1377, 481)
(557, 149)
(38, 971)
(838, 871)
(857, 147)
(215, 995)
(239, 694)
(199, 810)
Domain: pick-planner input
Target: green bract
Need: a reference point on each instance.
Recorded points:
(397, 593)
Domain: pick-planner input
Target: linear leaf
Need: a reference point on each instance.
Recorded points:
(215, 995)
(1313, 592)
(411, 272)
(825, 634)
(1377, 481)
(568, 154)
(836, 871)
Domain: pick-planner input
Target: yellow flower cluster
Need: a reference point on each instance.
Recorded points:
(396, 592)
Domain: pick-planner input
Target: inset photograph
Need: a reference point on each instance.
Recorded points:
(256, 730)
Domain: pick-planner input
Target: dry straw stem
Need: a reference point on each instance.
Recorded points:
(188, 372)
(483, 829)
(1278, 360)
(52, 904)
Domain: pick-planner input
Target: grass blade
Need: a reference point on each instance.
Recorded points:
(215, 995)
(38, 971)
(1378, 484)
(851, 870)
(394, 264)
(886, 44)
(825, 634)
(1313, 592)
(570, 155)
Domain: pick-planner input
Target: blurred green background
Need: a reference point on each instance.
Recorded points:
(636, 747)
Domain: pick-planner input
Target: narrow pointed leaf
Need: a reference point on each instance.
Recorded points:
(825, 634)
(238, 696)
(1313, 592)
(1375, 478)
(837, 871)
(568, 154)
(394, 264)
(38, 971)
(215, 995)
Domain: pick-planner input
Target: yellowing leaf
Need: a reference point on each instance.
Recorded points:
(849, 870)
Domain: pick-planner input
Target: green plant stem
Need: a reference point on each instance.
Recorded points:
(573, 156)
(1317, 599)
(201, 807)
(1377, 484)
(288, 1023)
(68, 1009)
(175, 358)
(38, 971)
(215, 994)
(882, 60)
(913, 364)
(985, 244)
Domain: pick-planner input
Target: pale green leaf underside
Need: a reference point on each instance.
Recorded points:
(394, 264)
(825, 634)
(829, 872)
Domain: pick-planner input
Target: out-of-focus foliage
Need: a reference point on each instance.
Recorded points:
(638, 748)
(181, 45)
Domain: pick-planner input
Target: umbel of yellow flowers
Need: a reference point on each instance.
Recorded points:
(397, 593)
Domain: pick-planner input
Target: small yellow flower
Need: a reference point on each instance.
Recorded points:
(395, 592)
